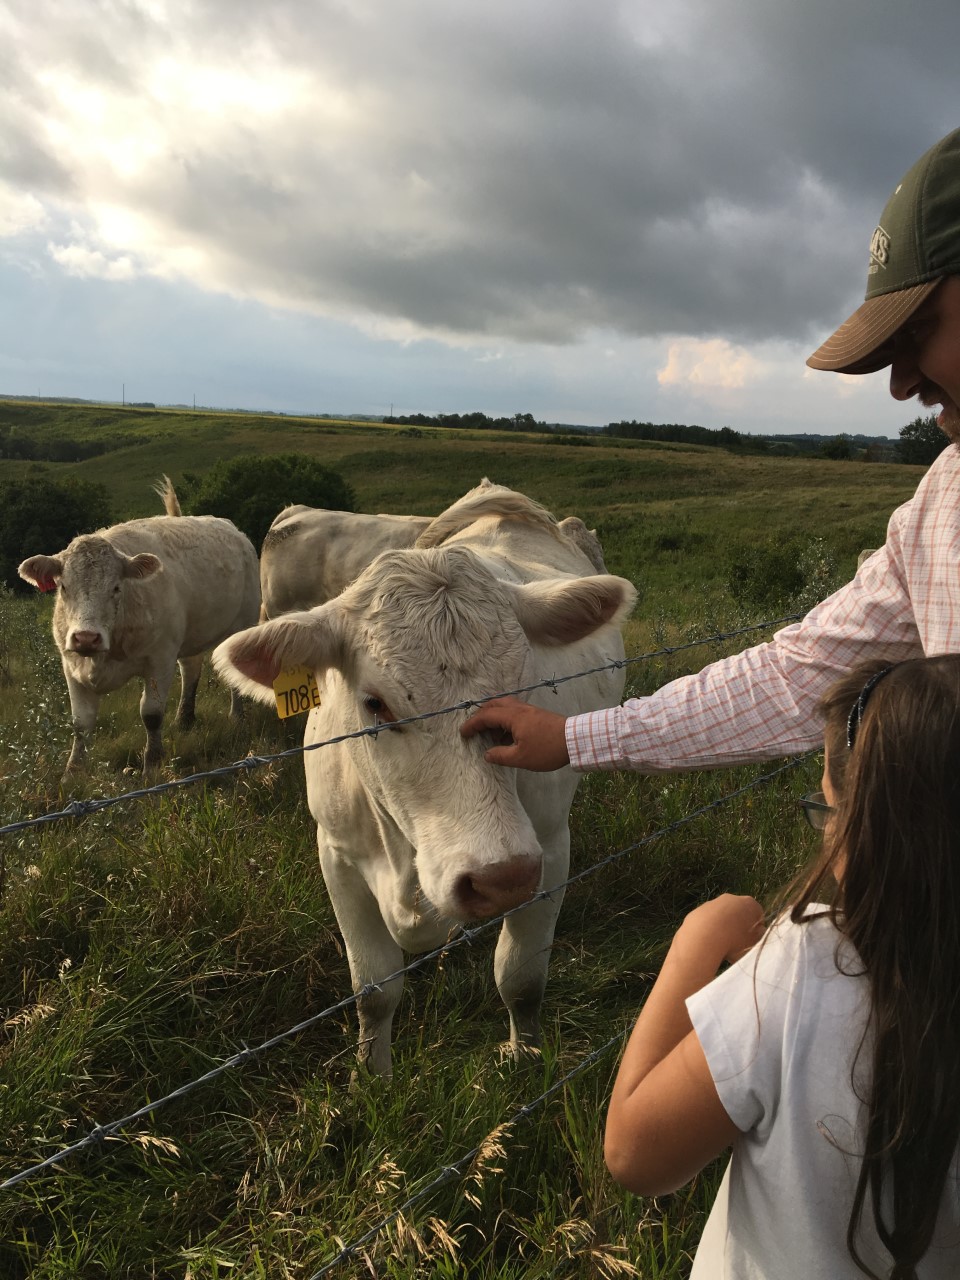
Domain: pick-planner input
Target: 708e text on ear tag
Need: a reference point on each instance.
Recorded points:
(296, 691)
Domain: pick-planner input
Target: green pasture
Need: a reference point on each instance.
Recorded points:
(670, 516)
(142, 946)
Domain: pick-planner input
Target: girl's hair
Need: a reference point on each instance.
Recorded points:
(890, 870)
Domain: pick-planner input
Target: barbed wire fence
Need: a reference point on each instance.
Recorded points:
(462, 938)
(81, 808)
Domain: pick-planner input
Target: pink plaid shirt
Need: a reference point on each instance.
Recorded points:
(903, 603)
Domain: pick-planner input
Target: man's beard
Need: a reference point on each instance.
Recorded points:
(930, 395)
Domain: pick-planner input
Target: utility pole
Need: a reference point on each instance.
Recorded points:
(123, 393)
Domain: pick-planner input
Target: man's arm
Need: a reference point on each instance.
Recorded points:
(754, 705)
(761, 703)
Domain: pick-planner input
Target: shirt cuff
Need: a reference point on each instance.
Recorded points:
(593, 741)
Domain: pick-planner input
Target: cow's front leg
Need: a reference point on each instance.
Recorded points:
(84, 703)
(189, 680)
(156, 687)
(520, 967)
(371, 953)
(523, 949)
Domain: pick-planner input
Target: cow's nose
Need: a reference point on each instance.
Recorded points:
(87, 641)
(497, 887)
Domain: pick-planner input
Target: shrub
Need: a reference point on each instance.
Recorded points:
(793, 574)
(838, 449)
(39, 516)
(251, 491)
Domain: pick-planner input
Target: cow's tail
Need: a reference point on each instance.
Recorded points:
(168, 495)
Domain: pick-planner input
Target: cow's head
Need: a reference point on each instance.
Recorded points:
(88, 578)
(421, 630)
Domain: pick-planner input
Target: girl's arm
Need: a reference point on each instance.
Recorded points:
(666, 1120)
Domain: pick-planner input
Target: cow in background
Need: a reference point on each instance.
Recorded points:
(416, 832)
(309, 554)
(138, 598)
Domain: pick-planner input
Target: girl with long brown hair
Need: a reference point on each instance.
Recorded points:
(828, 1055)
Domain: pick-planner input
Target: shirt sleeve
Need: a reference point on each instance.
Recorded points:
(761, 703)
(741, 1020)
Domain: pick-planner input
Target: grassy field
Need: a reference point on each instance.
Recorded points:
(670, 516)
(142, 946)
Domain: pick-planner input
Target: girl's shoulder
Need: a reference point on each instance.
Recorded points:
(801, 986)
(793, 954)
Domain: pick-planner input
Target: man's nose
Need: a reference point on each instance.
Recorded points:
(905, 377)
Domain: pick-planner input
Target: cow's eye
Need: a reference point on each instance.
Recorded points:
(381, 713)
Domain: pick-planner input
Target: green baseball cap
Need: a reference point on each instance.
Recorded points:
(915, 245)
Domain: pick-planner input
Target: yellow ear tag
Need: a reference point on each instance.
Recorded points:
(296, 691)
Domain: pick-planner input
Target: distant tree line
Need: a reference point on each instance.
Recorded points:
(724, 438)
(472, 421)
(53, 449)
(920, 442)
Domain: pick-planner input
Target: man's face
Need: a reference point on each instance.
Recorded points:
(926, 360)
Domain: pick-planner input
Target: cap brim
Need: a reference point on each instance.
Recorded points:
(863, 344)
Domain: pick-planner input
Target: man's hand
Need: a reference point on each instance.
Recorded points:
(538, 740)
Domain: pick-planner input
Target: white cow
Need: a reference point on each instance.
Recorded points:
(416, 832)
(136, 599)
(309, 554)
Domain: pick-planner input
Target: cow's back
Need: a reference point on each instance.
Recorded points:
(309, 555)
(524, 543)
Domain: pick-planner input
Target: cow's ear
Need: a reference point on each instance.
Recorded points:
(143, 565)
(43, 571)
(251, 660)
(558, 613)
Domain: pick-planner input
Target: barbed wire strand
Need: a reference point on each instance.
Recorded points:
(82, 808)
(464, 937)
(448, 1172)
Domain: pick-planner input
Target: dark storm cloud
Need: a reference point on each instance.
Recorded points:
(517, 170)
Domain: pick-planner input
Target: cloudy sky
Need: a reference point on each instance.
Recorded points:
(584, 211)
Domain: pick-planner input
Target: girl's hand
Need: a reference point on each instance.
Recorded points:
(723, 929)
